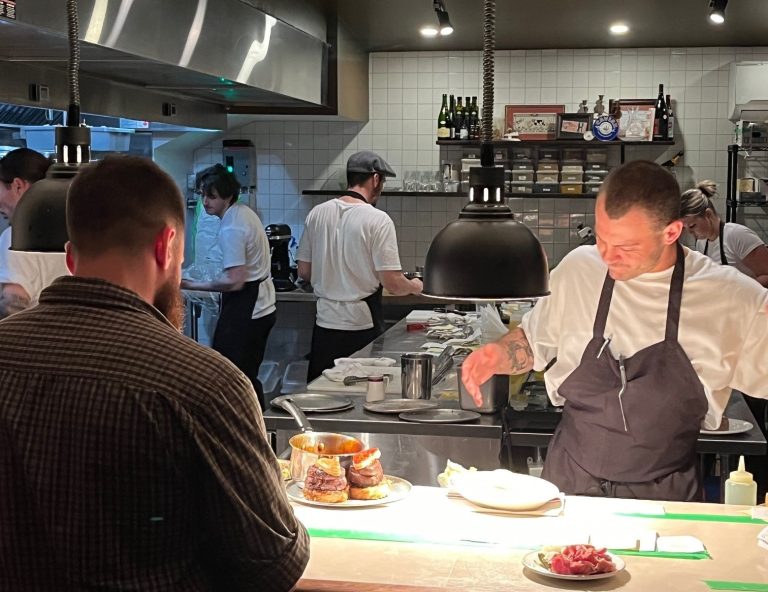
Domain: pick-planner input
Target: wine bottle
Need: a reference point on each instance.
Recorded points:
(474, 129)
(442, 119)
(673, 161)
(661, 117)
(463, 123)
(452, 118)
(670, 120)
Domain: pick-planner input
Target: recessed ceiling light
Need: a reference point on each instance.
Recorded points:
(717, 11)
(429, 31)
(619, 29)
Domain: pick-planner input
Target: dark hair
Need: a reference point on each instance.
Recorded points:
(219, 178)
(696, 202)
(354, 178)
(121, 202)
(23, 163)
(642, 184)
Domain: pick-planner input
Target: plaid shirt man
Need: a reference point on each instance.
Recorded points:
(131, 458)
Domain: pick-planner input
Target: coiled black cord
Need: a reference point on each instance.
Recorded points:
(73, 68)
(489, 43)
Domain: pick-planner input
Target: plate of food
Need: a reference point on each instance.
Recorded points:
(729, 426)
(362, 485)
(574, 562)
(504, 490)
(285, 469)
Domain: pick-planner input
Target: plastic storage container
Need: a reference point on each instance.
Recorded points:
(592, 187)
(548, 165)
(571, 188)
(573, 154)
(568, 177)
(521, 187)
(522, 165)
(546, 187)
(597, 155)
(522, 176)
(546, 176)
(549, 154)
(295, 377)
(740, 488)
(595, 175)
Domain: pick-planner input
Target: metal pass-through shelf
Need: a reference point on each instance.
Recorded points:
(731, 203)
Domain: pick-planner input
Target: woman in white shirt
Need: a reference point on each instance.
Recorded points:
(727, 243)
(247, 293)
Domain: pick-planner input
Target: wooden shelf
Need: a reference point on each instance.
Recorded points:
(746, 203)
(593, 143)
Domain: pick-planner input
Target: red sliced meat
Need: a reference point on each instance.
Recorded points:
(581, 560)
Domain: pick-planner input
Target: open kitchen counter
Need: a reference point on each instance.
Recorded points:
(422, 448)
(430, 541)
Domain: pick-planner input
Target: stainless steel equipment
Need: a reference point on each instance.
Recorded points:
(494, 392)
(283, 274)
(417, 375)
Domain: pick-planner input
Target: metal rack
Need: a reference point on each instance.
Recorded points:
(731, 203)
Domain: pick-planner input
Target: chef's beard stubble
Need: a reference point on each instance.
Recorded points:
(169, 301)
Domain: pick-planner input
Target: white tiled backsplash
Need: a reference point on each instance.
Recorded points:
(405, 93)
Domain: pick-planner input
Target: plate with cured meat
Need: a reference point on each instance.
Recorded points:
(575, 562)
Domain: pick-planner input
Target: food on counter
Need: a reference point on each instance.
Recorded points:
(326, 482)
(582, 560)
(285, 468)
(366, 476)
(452, 469)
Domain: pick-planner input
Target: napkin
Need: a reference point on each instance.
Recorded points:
(357, 367)
(366, 361)
(679, 544)
(762, 538)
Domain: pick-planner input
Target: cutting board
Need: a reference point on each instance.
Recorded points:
(322, 384)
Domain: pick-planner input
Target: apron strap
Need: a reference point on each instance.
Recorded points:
(355, 194)
(598, 329)
(723, 260)
(375, 307)
(675, 295)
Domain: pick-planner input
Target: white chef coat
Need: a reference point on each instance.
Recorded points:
(347, 244)
(5, 245)
(738, 240)
(723, 323)
(242, 241)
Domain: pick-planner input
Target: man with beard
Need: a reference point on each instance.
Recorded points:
(132, 458)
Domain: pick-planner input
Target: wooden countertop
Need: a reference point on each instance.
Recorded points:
(441, 561)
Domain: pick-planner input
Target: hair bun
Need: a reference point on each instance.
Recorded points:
(708, 188)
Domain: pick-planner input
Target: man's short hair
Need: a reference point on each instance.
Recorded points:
(642, 184)
(23, 163)
(219, 178)
(121, 202)
(354, 179)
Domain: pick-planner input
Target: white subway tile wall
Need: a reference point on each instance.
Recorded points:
(405, 92)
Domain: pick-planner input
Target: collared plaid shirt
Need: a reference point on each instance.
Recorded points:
(132, 458)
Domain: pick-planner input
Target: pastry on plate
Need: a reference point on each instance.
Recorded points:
(326, 482)
(366, 476)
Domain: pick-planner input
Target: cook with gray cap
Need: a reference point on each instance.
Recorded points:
(349, 253)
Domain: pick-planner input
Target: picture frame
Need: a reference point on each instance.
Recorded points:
(572, 126)
(636, 123)
(533, 122)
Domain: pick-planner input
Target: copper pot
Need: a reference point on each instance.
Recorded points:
(310, 445)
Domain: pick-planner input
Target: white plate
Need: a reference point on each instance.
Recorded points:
(531, 561)
(398, 489)
(735, 426)
(505, 490)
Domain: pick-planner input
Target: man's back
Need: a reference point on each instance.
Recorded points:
(131, 458)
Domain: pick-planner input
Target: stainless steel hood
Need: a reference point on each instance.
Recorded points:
(221, 52)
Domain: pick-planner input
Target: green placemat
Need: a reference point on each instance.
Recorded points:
(663, 554)
(697, 517)
(725, 585)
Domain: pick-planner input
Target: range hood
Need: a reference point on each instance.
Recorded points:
(748, 91)
(215, 56)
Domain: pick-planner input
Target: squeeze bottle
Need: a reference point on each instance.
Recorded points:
(740, 488)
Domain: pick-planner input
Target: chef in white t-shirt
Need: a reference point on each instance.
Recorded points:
(23, 275)
(645, 339)
(726, 243)
(248, 310)
(348, 251)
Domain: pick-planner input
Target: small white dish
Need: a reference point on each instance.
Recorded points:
(735, 426)
(531, 561)
(505, 490)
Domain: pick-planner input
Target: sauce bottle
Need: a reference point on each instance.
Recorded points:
(740, 488)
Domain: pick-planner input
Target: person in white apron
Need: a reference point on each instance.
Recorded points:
(642, 356)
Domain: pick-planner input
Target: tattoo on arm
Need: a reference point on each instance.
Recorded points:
(12, 303)
(520, 353)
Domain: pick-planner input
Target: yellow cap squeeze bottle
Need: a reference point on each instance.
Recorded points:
(740, 488)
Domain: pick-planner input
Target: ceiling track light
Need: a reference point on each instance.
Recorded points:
(717, 11)
(444, 22)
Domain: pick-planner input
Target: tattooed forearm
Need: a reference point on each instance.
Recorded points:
(11, 302)
(519, 351)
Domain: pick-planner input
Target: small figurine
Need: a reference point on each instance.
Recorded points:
(599, 108)
(583, 107)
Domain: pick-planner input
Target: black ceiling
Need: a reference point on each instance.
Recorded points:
(392, 25)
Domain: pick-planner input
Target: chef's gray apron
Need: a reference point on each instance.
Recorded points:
(654, 457)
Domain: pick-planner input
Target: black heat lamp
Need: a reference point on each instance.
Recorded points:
(486, 254)
(39, 220)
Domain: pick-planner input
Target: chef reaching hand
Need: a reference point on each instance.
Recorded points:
(645, 338)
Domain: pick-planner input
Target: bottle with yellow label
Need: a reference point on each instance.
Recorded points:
(740, 488)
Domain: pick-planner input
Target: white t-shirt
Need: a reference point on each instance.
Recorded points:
(32, 271)
(5, 245)
(723, 323)
(242, 241)
(739, 241)
(347, 244)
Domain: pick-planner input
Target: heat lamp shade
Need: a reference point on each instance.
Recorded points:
(39, 220)
(486, 259)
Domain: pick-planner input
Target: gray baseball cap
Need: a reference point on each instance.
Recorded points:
(369, 162)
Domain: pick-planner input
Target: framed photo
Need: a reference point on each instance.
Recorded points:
(636, 123)
(571, 126)
(533, 122)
